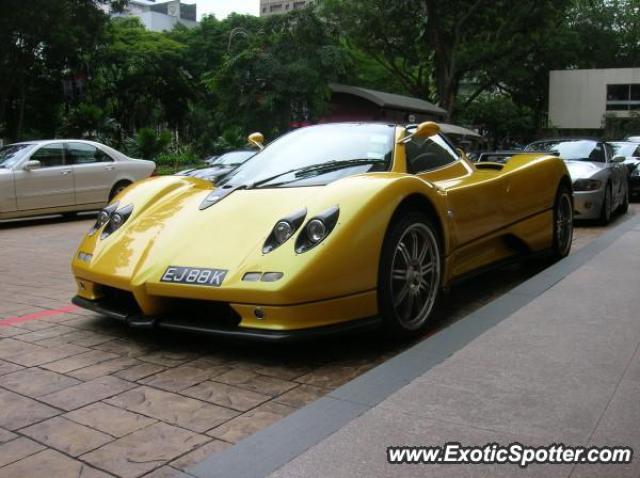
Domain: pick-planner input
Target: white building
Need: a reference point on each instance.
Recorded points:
(275, 7)
(582, 99)
(160, 15)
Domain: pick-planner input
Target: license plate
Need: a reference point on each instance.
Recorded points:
(194, 276)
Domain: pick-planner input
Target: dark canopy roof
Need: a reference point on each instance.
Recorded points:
(389, 100)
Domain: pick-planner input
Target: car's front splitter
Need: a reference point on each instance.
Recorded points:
(213, 329)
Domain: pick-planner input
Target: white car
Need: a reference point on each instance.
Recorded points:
(63, 176)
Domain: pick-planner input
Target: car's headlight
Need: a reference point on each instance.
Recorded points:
(586, 185)
(636, 172)
(112, 219)
(317, 229)
(103, 217)
(283, 230)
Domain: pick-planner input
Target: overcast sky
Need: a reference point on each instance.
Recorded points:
(222, 8)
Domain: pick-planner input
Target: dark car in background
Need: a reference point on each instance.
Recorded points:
(220, 166)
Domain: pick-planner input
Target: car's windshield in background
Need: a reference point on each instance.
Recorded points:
(10, 154)
(626, 149)
(575, 150)
(235, 157)
(369, 146)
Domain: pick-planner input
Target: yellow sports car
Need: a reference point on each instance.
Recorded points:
(330, 227)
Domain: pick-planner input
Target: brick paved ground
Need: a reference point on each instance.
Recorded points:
(81, 395)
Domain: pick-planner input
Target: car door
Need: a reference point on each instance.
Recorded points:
(474, 200)
(48, 186)
(94, 172)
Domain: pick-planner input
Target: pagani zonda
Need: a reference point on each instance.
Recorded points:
(330, 227)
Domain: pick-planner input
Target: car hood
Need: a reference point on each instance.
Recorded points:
(583, 169)
(210, 173)
(168, 228)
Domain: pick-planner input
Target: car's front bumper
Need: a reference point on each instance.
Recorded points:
(227, 331)
(588, 204)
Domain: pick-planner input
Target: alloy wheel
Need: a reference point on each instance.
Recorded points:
(415, 275)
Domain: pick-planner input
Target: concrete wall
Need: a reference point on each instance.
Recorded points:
(578, 98)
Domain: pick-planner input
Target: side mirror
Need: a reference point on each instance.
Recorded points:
(32, 164)
(618, 159)
(423, 130)
(257, 139)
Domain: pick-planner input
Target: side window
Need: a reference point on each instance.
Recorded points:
(610, 152)
(50, 155)
(424, 154)
(597, 154)
(82, 153)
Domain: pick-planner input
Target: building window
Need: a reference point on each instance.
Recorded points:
(276, 8)
(299, 4)
(623, 97)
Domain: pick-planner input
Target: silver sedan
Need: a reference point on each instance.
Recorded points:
(63, 176)
(600, 179)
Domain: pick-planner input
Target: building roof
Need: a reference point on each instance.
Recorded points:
(459, 130)
(389, 100)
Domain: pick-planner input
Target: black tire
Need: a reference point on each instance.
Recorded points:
(409, 280)
(562, 223)
(118, 188)
(605, 212)
(624, 207)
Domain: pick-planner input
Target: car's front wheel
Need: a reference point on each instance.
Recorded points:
(410, 274)
(607, 203)
(624, 207)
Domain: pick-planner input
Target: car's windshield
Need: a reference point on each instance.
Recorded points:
(626, 149)
(575, 150)
(234, 157)
(10, 154)
(324, 153)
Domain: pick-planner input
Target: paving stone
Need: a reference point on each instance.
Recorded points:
(179, 378)
(254, 382)
(52, 464)
(167, 472)
(66, 436)
(88, 392)
(250, 422)
(17, 411)
(331, 376)
(46, 355)
(226, 395)
(48, 333)
(6, 367)
(6, 331)
(144, 450)
(80, 361)
(6, 435)
(127, 347)
(11, 347)
(140, 371)
(199, 454)
(109, 419)
(168, 359)
(301, 396)
(104, 368)
(35, 382)
(17, 449)
(35, 325)
(172, 408)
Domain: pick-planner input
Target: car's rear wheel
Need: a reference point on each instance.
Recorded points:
(562, 223)
(410, 274)
(605, 214)
(117, 189)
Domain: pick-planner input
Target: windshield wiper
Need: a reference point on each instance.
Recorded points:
(316, 168)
